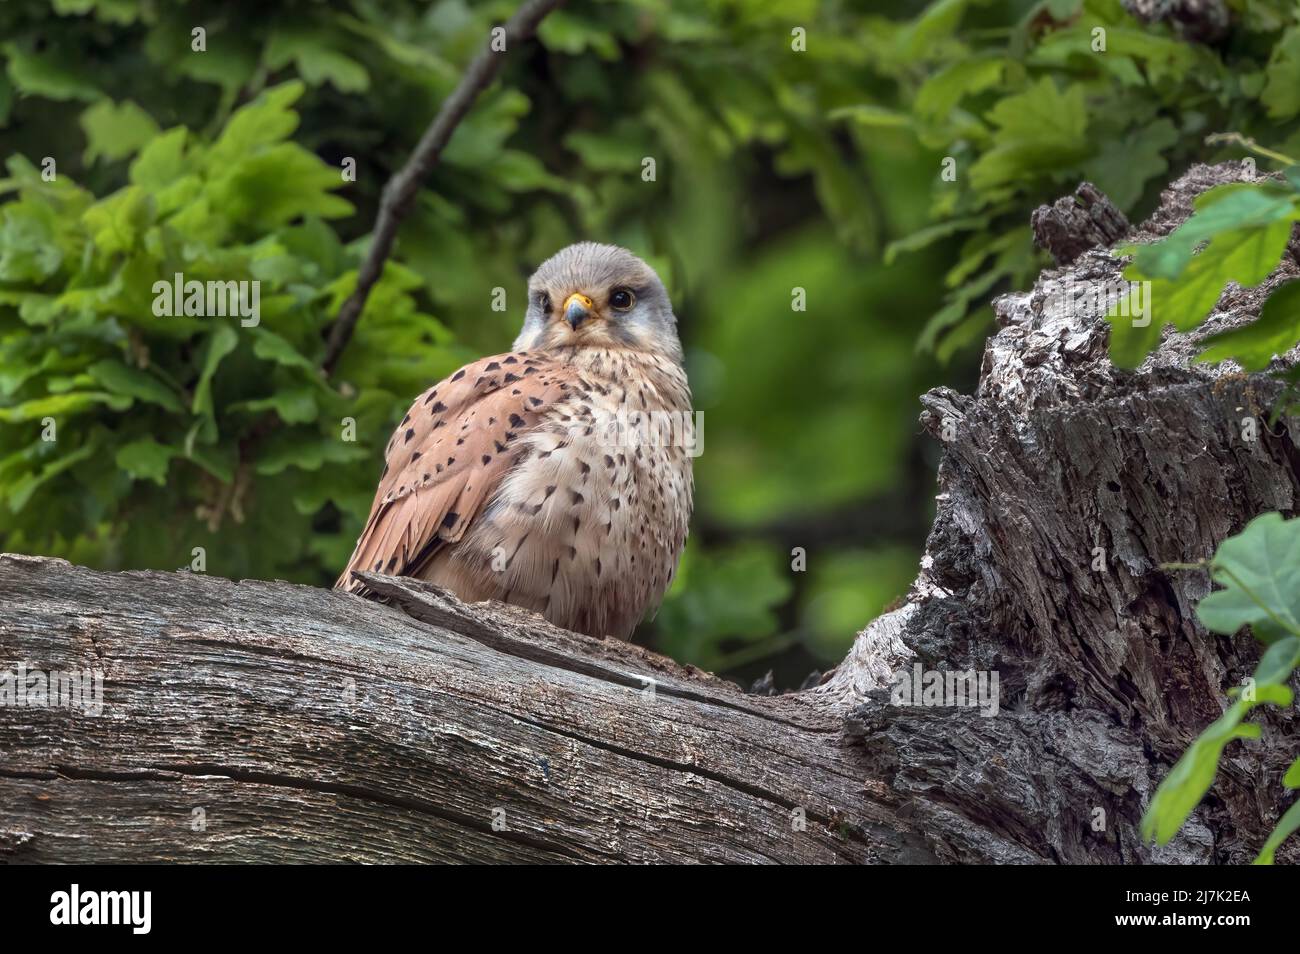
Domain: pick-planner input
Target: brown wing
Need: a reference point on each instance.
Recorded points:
(449, 454)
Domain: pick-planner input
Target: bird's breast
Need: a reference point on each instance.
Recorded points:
(588, 526)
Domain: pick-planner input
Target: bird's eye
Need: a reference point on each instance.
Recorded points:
(621, 299)
(544, 303)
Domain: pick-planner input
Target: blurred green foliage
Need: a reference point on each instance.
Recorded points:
(778, 168)
(1029, 99)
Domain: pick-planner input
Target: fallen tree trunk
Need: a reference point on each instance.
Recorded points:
(314, 725)
(259, 721)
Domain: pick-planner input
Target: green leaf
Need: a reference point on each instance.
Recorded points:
(866, 114)
(1292, 777)
(934, 233)
(609, 152)
(228, 61)
(272, 347)
(162, 161)
(1288, 824)
(145, 459)
(727, 593)
(1281, 93)
(1193, 774)
(522, 172)
(276, 185)
(1123, 168)
(266, 121)
(971, 329)
(1275, 332)
(51, 74)
(114, 131)
(217, 460)
(306, 451)
(318, 60)
(29, 248)
(117, 377)
(1230, 208)
(293, 405)
(955, 310)
(945, 89)
(221, 342)
(117, 223)
(571, 33)
(1042, 128)
(21, 490)
(937, 22)
(107, 11)
(1245, 256)
(73, 402)
(1259, 570)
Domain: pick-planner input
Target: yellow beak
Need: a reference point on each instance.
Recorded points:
(576, 310)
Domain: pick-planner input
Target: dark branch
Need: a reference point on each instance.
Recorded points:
(399, 193)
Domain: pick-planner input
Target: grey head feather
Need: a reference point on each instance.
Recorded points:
(597, 270)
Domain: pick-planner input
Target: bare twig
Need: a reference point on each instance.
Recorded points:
(1249, 144)
(399, 193)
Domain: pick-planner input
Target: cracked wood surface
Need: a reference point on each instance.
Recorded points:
(312, 725)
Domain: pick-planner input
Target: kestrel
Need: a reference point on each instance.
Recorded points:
(532, 477)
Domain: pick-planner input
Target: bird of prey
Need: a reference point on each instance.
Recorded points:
(530, 477)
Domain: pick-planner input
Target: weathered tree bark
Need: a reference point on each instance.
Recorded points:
(1198, 21)
(1073, 224)
(265, 721)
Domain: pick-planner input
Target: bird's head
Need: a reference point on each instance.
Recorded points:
(598, 296)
